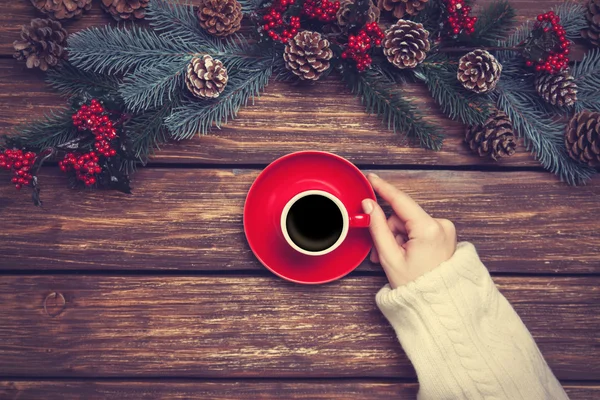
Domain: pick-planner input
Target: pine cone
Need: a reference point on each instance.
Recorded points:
(406, 44)
(220, 17)
(583, 137)
(125, 9)
(557, 89)
(307, 55)
(479, 71)
(593, 16)
(495, 138)
(62, 9)
(206, 77)
(345, 17)
(402, 7)
(42, 44)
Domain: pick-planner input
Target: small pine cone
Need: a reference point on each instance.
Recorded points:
(62, 9)
(125, 9)
(592, 33)
(495, 138)
(406, 44)
(307, 55)
(344, 13)
(206, 77)
(402, 7)
(220, 17)
(479, 71)
(583, 137)
(557, 89)
(42, 44)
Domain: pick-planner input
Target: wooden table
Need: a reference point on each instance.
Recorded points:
(157, 295)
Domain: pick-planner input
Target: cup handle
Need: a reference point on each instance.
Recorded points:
(360, 221)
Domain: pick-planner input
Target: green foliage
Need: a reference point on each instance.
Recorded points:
(378, 95)
(54, 129)
(195, 116)
(71, 81)
(431, 17)
(543, 134)
(587, 77)
(572, 18)
(455, 101)
(493, 23)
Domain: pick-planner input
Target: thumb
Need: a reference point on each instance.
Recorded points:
(383, 238)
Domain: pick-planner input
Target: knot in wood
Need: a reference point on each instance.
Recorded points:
(54, 304)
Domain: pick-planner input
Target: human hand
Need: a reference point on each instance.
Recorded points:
(410, 243)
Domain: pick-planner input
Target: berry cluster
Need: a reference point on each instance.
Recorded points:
(95, 119)
(20, 163)
(556, 58)
(359, 45)
(85, 165)
(273, 21)
(321, 10)
(458, 17)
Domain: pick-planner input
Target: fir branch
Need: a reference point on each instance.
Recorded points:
(250, 6)
(431, 17)
(455, 101)
(199, 116)
(543, 135)
(493, 24)
(402, 117)
(587, 77)
(71, 81)
(52, 130)
(151, 87)
(572, 18)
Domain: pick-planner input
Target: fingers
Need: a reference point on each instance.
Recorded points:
(383, 238)
(396, 225)
(402, 204)
(374, 256)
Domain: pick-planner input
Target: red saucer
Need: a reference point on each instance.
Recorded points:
(276, 185)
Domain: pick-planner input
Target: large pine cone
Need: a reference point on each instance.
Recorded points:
(583, 137)
(402, 7)
(593, 16)
(479, 71)
(42, 44)
(406, 44)
(126, 9)
(220, 17)
(345, 17)
(495, 138)
(557, 89)
(62, 9)
(307, 55)
(206, 77)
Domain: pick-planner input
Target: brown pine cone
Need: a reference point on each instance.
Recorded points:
(62, 9)
(307, 55)
(583, 137)
(206, 77)
(125, 9)
(557, 89)
(593, 17)
(479, 71)
(406, 44)
(344, 13)
(42, 44)
(495, 138)
(402, 7)
(220, 17)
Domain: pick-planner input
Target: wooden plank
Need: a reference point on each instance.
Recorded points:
(218, 390)
(285, 119)
(186, 219)
(258, 327)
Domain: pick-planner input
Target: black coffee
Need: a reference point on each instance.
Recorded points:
(314, 223)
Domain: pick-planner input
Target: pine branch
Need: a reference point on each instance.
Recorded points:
(52, 130)
(543, 135)
(455, 101)
(572, 18)
(587, 77)
(378, 96)
(197, 116)
(493, 24)
(431, 17)
(70, 81)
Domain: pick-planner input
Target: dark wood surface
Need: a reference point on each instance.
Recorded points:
(156, 295)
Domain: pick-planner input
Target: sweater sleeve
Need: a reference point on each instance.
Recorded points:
(464, 338)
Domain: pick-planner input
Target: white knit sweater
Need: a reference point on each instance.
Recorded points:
(464, 338)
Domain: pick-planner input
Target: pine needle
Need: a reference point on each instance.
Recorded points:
(587, 77)
(493, 23)
(71, 81)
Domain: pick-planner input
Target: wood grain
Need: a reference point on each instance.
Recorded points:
(521, 222)
(259, 327)
(218, 390)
